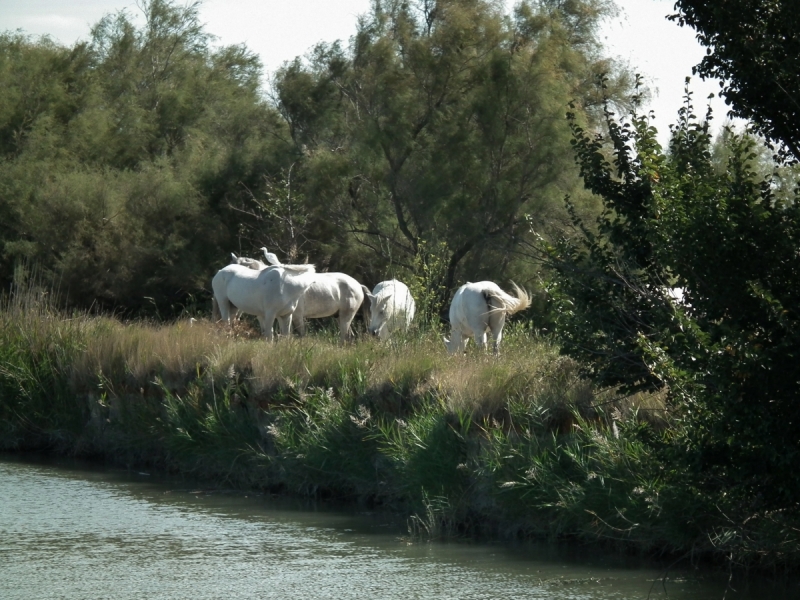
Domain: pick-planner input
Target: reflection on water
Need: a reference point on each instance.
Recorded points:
(71, 532)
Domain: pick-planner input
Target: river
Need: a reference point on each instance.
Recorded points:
(74, 531)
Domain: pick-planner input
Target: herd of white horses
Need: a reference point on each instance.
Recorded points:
(292, 293)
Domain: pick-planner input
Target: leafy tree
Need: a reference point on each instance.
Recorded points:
(125, 158)
(753, 47)
(442, 127)
(728, 355)
(610, 285)
(133, 164)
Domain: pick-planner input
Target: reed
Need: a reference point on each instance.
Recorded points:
(516, 445)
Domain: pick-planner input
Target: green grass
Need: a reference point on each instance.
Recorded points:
(518, 445)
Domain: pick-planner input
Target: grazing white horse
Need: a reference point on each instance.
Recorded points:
(478, 307)
(268, 294)
(330, 294)
(391, 307)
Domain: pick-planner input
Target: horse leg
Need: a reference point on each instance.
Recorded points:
(480, 339)
(496, 323)
(269, 321)
(299, 326)
(345, 320)
(457, 341)
(462, 344)
(224, 307)
(298, 318)
(285, 324)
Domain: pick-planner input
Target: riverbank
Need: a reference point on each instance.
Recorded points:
(518, 446)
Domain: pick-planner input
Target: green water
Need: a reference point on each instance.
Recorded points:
(72, 532)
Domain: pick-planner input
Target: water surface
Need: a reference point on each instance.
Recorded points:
(70, 531)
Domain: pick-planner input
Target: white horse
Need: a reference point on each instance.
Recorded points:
(250, 263)
(391, 307)
(478, 307)
(268, 294)
(330, 294)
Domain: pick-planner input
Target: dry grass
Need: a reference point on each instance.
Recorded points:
(132, 358)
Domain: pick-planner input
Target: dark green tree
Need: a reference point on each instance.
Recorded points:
(611, 288)
(442, 127)
(753, 47)
(728, 354)
(126, 158)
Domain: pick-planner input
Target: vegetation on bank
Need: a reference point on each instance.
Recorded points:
(132, 164)
(434, 148)
(519, 445)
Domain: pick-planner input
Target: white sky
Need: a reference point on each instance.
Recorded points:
(279, 30)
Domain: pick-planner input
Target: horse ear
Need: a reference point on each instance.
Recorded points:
(233, 256)
(367, 293)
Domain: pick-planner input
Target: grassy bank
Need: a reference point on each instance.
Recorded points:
(518, 445)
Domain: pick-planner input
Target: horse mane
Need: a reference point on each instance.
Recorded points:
(251, 263)
(296, 269)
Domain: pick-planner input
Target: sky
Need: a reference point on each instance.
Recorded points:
(279, 30)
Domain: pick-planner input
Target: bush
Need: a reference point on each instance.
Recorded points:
(727, 355)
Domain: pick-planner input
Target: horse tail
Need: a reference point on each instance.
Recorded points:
(494, 302)
(215, 315)
(523, 299)
(501, 301)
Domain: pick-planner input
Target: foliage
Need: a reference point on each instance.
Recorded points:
(519, 445)
(122, 157)
(727, 353)
(133, 164)
(610, 288)
(401, 425)
(442, 126)
(752, 48)
(278, 218)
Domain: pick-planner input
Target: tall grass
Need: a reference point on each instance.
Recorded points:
(515, 445)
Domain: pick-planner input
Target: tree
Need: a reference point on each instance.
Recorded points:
(609, 286)
(123, 157)
(753, 47)
(728, 356)
(442, 127)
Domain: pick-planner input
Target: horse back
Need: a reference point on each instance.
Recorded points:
(331, 293)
